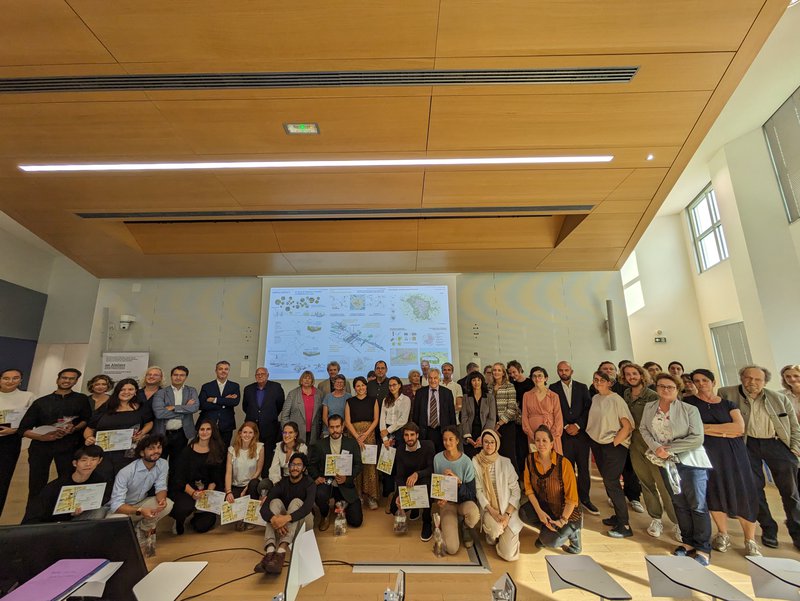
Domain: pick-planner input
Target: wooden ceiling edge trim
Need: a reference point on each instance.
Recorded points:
(768, 17)
(568, 226)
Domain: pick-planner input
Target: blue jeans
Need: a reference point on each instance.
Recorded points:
(690, 506)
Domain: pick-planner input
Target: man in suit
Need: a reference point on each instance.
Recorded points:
(326, 386)
(339, 488)
(434, 410)
(217, 400)
(575, 405)
(772, 436)
(174, 408)
(262, 402)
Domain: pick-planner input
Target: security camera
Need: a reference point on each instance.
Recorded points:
(125, 321)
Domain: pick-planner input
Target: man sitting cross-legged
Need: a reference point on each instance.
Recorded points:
(289, 502)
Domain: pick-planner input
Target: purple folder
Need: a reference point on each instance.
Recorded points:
(57, 581)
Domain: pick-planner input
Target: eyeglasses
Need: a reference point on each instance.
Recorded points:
(670, 387)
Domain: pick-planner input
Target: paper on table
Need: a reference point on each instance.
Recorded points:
(85, 496)
(253, 515)
(114, 440)
(414, 498)
(444, 487)
(386, 460)
(339, 465)
(369, 456)
(95, 586)
(233, 512)
(211, 501)
(12, 417)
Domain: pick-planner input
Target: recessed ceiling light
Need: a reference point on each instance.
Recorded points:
(541, 160)
(650, 157)
(301, 129)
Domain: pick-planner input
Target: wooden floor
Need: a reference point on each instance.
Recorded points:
(374, 541)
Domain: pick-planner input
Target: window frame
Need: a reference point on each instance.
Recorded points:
(709, 197)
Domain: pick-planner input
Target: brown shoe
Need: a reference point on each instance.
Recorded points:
(261, 566)
(275, 563)
(325, 523)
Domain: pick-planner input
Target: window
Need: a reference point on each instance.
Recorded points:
(632, 285)
(709, 239)
(783, 138)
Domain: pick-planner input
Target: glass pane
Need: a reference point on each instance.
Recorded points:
(721, 240)
(712, 203)
(630, 270)
(702, 217)
(634, 298)
(708, 246)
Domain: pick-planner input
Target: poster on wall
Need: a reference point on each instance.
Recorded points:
(125, 365)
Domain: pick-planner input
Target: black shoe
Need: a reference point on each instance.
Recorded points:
(620, 532)
(539, 544)
(610, 521)
(769, 541)
(590, 507)
(413, 515)
(427, 533)
(572, 549)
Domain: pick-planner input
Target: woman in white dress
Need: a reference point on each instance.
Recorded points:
(244, 465)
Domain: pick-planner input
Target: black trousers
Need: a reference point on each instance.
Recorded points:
(202, 521)
(435, 436)
(40, 456)
(252, 489)
(508, 445)
(631, 485)
(175, 443)
(227, 435)
(9, 454)
(611, 462)
(522, 448)
(576, 449)
(352, 513)
(782, 463)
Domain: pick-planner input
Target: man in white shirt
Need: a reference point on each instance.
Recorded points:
(13, 405)
(454, 387)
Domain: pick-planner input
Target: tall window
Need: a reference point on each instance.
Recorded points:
(709, 239)
(632, 285)
(783, 137)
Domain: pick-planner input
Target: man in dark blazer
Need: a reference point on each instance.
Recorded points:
(174, 408)
(217, 400)
(262, 402)
(340, 488)
(575, 405)
(434, 410)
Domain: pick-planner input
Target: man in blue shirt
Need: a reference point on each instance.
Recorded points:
(133, 482)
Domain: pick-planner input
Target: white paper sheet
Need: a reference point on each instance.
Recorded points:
(12, 417)
(253, 515)
(114, 440)
(211, 501)
(233, 512)
(339, 465)
(369, 456)
(444, 487)
(85, 496)
(414, 498)
(386, 459)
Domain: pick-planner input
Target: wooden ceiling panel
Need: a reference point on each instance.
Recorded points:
(493, 232)
(521, 27)
(205, 238)
(46, 32)
(296, 191)
(332, 236)
(581, 121)
(256, 126)
(206, 30)
(73, 130)
(521, 188)
(483, 260)
(602, 230)
(622, 206)
(377, 261)
(580, 259)
(641, 183)
(657, 73)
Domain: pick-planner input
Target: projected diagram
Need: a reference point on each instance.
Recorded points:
(356, 326)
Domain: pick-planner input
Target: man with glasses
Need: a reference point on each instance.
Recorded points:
(379, 387)
(326, 386)
(433, 410)
(772, 437)
(289, 501)
(262, 402)
(55, 424)
(174, 408)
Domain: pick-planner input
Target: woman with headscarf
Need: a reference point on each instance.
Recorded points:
(498, 494)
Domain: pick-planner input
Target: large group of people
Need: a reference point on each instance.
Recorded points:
(518, 447)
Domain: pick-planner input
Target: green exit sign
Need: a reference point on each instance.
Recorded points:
(301, 128)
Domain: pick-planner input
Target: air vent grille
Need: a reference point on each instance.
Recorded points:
(332, 79)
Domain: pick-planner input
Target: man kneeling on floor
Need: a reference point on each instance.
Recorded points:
(289, 502)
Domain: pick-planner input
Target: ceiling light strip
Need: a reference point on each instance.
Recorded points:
(348, 163)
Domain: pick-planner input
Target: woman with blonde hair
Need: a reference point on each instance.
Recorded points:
(303, 406)
(244, 465)
(151, 383)
(790, 380)
(505, 399)
(99, 387)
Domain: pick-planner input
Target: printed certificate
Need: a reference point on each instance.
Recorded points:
(114, 440)
(339, 465)
(414, 498)
(85, 496)
(386, 460)
(444, 487)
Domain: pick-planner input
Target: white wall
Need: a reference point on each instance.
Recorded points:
(23, 263)
(670, 299)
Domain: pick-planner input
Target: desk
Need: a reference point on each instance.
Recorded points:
(679, 576)
(584, 573)
(775, 577)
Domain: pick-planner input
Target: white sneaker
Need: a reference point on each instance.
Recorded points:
(637, 507)
(721, 542)
(751, 549)
(655, 528)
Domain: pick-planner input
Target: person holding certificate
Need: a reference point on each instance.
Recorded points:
(333, 485)
(245, 462)
(112, 424)
(361, 416)
(201, 468)
(395, 411)
(455, 464)
(552, 490)
(13, 405)
(413, 466)
(498, 493)
(86, 460)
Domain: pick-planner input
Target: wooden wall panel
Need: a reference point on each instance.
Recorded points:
(204, 238)
(377, 261)
(489, 233)
(331, 236)
(601, 230)
(580, 259)
(482, 260)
